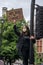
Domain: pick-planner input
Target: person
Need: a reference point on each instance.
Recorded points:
(23, 44)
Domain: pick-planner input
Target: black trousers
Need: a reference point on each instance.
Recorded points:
(25, 55)
(25, 61)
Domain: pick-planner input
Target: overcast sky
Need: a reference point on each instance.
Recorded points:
(24, 4)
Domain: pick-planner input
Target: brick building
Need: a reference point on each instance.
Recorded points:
(14, 14)
(39, 45)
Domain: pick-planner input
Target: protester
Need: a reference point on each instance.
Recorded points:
(23, 44)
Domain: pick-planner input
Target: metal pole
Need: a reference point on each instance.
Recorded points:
(32, 31)
(32, 17)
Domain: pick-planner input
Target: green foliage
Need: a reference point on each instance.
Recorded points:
(5, 17)
(37, 57)
(9, 40)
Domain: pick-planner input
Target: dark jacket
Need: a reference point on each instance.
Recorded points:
(23, 44)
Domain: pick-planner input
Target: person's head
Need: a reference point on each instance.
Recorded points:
(25, 30)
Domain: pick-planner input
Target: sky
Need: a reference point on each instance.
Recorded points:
(24, 4)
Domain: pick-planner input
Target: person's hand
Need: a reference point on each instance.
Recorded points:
(32, 37)
(14, 21)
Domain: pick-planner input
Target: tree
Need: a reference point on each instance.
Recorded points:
(9, 40)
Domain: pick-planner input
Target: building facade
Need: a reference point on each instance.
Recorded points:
(14, 14)
(39, 45)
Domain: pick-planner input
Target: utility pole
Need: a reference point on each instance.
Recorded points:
(32, 31)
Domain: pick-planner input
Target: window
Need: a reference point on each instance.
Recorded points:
(39, 46)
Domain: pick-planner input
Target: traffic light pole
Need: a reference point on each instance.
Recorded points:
(32, 32)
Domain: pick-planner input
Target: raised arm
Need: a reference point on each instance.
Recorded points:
(16, 30)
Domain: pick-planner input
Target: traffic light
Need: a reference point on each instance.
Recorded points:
(39, 22)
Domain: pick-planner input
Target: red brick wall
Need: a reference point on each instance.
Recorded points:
(14, 14)
(39, 45)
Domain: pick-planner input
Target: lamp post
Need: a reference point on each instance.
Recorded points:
(32, 32)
